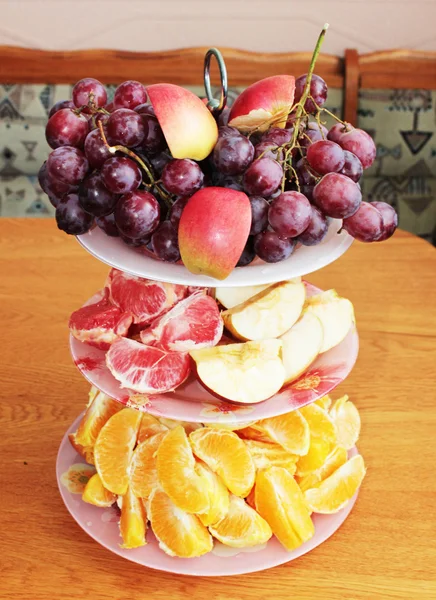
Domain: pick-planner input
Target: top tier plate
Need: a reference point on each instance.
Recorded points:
(304, 260)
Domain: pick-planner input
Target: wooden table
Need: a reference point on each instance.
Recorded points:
(386, 548)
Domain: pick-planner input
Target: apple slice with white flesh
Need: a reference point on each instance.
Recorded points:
(232, 296)
(246, 373)
(268, 314)
(336, 315)
(301, 345)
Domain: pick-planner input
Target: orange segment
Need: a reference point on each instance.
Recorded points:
(114, 448)
(251, 498)
(133, 523)
(281, 503)
(333, 493)
(143, 468)
(218, 496)
(325, 402)
(290, 431)
(265, 455)
(179, 533)
(254, 432)
(99, 410)
(227, 455)
(85, 452)
(336, 458)
(150, 426)
(347, 420)
(95, 493)
(177, 473)
(231, 426)
(320, 423)
(188, 427)
(242, 526)
(319, 449)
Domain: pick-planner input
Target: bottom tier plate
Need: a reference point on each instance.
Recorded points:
(102, 525)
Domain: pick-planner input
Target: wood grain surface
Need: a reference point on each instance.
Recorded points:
(386, 549)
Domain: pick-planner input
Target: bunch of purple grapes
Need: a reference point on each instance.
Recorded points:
(295, 180)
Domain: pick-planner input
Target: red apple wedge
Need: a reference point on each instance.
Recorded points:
(263, 104)
(213, 231)
(187, 124)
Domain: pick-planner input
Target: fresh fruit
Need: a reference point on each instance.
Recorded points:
(248, 253)
(290, 431)
(95, 493)
(281, 503)
(242, 527)
(269, 314)
(263, 104)
(266, 454)
(336, 458)
(146, 369)
(129, 94)
(317, 92)
(290, 214)
(113, 449)
(108, 225)
(70, 216)
(182, 177)
(226, 454)
(325, 402)
(233, 154)
(150, 426)
(336, 315)
(137, 214)
(352, 166)
(333, 493)
(246, 373)
(337, 196)
(95, 198)
(133, 522)
(125, 127)
(86, 452)
(67, 164)
(143, 468)
(165, 242)
(121, 175)
(389, 217)
(59, 105)
(178, 532)
(54, 188)
(320, 423)
(360, 144)
(66, 128)
(178, 475)
(189, 128)
(89, 90)
(271, 248)
(301, 345)
(263, 177)
(325, 156)
(366, 225)
(337, 130)
(219, 498)
(211, 240)
(317, 229)
(319, 450)
(346, 418)
(99, 410)
(172, 424)
(259, 214)
(230, 297)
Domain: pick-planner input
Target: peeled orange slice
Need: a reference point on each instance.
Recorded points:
(218, 496)
(150, 426)
(143, 468)
(281, 503)
(227, 455)
(188, 427)
(178, 475)
(114, 448)
(290, 431)
(319, 449)
(265, 455)
(133, 523)
(99, 410)
(95, 493)
(179, 533)
(325, 402)
(242, 526)
(85, 452)
(336, 458)
(320, 423)
(347, 421)
(333, 493)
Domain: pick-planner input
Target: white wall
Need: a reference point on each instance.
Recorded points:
(264, 25)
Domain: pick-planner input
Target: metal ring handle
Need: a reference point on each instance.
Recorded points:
(214, 105)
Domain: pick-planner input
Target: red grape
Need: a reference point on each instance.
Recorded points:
(158, 162)
(97, 118)
(227, 131)
(70, 216)
(271, 248)
(309, 136)
(361, 144)
(145, 109)
(313, 126)
(335, 133)
(337, 196)
(154, 140)
(305, 174)
(248, 254)
(289, 214)
(137, 214)
(110, 107)
(125, 127)
(135, 243)
(85, 87)
(263, 177)
(307, 190)
(352, 166)
(54, 188)
(316, 230)
(389, 218)
(129, 95)
(66, 128)
(67, 164)
(325, 157)
(165, 242)
(121, 175)
(177, 209)
(318, 91)
(233, 154)
(366, 224)
(259, 214)
(96, 150)
(95, 198)
(278, 136)
(182, 177)
(59, 105)
(268, 149)
(108, 225)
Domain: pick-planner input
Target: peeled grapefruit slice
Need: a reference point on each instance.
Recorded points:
(192, 324)
(146, 369)
(143, 298)
(100, 324)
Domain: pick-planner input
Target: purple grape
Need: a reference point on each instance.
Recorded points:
(60, 105)
(137, 214)
(54, 188)
(95, 198)
(130, 94)
(125, 127)
(85, 87)
(337, 196)
(305, 174)
(318, 91)
(108, 225)
(227, 131)
(289, 214)
(96, 150)
(325, 157)
(366, 224)
(70, 216)
(309, 137)
(338, 130)
(67, 164)
(233, 154)
(313, 126)
(269, 150)
(307, 190)
(352, 166)
(154, 140)
(389, 218)
(259, 214)
(248, 254)
(97, 118)
(271, 248)
(278, 136)
(121, 175)
(145, 109)
(177, 209)
(158, 162)
(165, 242)
(317, 229)
(263, 177)
(66, 128)
(361, 144)
(182, 177)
